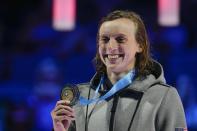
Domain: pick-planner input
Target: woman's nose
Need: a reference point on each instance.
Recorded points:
(112, 45)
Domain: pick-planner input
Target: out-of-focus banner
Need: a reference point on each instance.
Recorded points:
(64, 14)
(169, 12)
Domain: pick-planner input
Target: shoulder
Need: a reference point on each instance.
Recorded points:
(162, 87)
(171, 110)
(170, 100)
(84, 88)
(165, 89)
(159, 89)
(167, 94)
(162, 94)
(83, 85)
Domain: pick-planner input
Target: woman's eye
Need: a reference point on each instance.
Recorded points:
(120, 39)
(105, 40)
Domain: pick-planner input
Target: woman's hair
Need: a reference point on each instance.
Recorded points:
(143, 59)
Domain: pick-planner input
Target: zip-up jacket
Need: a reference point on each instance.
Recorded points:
(147, 104)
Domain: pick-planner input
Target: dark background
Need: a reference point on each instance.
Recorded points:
(36, 61)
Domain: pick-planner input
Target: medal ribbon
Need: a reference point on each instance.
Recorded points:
(120, 84)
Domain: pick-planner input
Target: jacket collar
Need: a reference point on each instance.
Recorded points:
(139, 84)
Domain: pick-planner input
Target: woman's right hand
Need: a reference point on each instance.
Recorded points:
(62, 115)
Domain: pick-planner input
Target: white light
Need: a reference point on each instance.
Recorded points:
(169, 12)
(64, 14)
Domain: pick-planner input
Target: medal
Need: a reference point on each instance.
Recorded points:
(70, 93)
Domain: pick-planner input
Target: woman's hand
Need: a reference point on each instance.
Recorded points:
(62, 116)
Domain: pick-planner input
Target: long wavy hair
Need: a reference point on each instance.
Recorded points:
(143, 59)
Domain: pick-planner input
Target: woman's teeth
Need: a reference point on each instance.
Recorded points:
(113, 56)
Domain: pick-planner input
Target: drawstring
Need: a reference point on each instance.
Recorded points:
(113, 111)
(136, 108)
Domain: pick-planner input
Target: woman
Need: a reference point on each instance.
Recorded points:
(145, 103)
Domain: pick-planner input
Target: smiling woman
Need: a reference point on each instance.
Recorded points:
(118, 47)
(128, 91)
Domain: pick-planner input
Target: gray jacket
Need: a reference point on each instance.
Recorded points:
(147, 104)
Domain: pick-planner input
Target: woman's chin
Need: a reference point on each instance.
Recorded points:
(114, 68)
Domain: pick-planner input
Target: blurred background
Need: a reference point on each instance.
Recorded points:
(38, 56)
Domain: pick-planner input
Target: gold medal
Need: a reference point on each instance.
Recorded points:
(70, 93)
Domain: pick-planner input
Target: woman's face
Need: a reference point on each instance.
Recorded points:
(117, 45)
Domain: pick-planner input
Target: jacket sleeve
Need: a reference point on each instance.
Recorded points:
(72, 126)
(171, 114)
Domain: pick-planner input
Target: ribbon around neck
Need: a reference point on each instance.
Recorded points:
(120, 84)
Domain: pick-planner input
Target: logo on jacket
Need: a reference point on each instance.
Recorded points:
(180, 129)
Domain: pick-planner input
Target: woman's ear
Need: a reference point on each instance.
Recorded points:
(139, 50)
